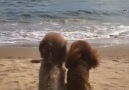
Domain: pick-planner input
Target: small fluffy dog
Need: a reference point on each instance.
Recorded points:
(81, 58)
(52, 73)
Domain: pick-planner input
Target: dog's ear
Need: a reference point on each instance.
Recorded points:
(63, 52)
(74, 56)
(90, 55)
(44, 48)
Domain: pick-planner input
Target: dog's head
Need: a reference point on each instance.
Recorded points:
(81, 51)
(53, 46)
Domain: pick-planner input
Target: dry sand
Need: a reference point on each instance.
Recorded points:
(17, 72)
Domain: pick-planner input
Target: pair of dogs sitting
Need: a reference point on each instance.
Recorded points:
(79, 60)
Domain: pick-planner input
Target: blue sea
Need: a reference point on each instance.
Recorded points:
(23, 23)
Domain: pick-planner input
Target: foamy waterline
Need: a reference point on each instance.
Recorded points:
(27, 33)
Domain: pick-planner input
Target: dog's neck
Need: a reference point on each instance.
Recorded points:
(79, 63)
(51, 63)
(84, 63)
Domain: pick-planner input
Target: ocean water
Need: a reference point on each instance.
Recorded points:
(101, 22)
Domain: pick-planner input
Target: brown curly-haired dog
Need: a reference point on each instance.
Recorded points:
(81, 58)
(52, 73)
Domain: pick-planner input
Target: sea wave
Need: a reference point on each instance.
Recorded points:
(71, 29)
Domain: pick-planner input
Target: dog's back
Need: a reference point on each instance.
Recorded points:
(51, 77)
(52, 73)
(78, 77)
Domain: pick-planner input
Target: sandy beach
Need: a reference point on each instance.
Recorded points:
(17, 72)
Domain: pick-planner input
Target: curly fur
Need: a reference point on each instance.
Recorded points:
(52, 73)
(81, 58)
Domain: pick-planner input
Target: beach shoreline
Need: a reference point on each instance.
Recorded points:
(18, 72)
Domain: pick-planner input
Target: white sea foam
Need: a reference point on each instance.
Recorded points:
(70, 29)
